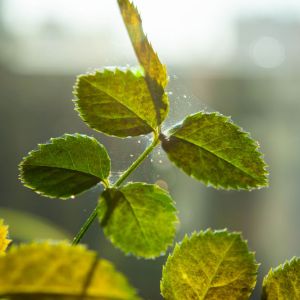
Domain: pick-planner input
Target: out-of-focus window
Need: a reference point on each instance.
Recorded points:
(63, 36)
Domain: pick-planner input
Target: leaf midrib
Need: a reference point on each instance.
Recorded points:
(220, 157)
(61, 168)
(137, 219)
(217, 268)
(117, 100)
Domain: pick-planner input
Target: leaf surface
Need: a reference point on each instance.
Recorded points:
(143, 49)
(156, 73)
(209, 265)
(283, 282)
(138, 218)
(210, 148)
(4, 241)
(118, 103)
(60, 271)
(65, 166)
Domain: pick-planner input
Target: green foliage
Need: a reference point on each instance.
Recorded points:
(139, 218)
(60, 271)
(66, 166)
(210, 265)
(283, 282)
(118, 103)
(132, 102)
(209, 147)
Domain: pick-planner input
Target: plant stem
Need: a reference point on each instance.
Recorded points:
(136, 163)
(121, 179)
(85, 226)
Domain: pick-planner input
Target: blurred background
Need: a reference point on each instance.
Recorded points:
(240, 58)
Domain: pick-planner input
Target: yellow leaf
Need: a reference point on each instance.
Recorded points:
(156, 75)
(210, 265)
(283, 282)
(143, 49)
(4, 242)
(60, 271)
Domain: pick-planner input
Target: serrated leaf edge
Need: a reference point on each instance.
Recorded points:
(282, 267)
(246, 134)
(210, 232)
(51, 142)
(164, 67)
(174, 224)
(136, 72)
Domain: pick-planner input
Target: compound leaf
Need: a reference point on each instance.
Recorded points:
(156, 73)
(60, 271)
(138, 218)
(118, 102)
(4, 241)
(283, 282)
(210, 148)
(66, 166)
(209, 265)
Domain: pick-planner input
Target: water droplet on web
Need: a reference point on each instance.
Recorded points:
(151, 160)
(184, 96)
(139, 141)
(160, 161)
(170, 93)
(72, 197)
(131, 155)
(161, 183)
(158, 152)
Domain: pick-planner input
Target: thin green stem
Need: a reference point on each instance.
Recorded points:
(85, 226)
(121, 179)
(136, 163)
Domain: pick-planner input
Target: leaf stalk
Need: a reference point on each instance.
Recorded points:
(121, 179)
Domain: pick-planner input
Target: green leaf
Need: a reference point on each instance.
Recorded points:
(117, 103)
(210, 148)
(283, 282)
(156, 73)
(66, 166)
(138, 218)
(210, 265)
(60, 271)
